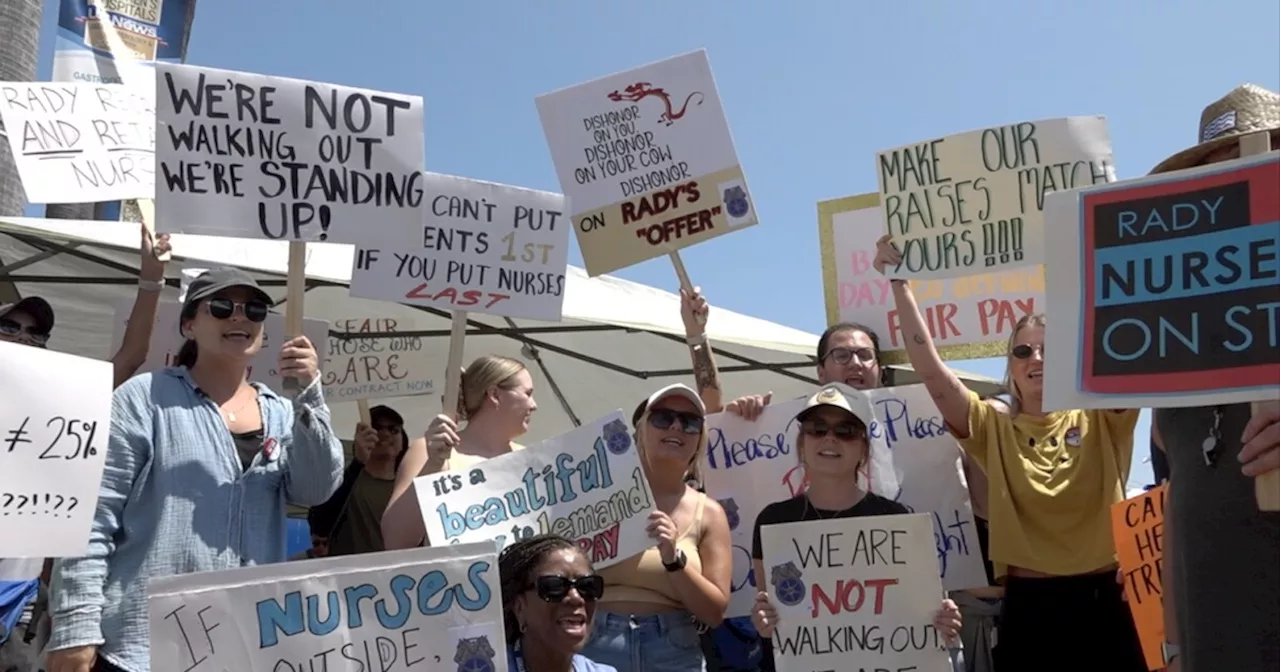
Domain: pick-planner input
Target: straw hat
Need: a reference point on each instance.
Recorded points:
(1249, 108)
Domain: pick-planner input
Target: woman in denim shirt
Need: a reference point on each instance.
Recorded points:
(199, 466)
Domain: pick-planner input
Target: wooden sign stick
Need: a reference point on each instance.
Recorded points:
(1266, 488)
(685, 284)
(295, 294)
(453, 374)
(148, 209)
(362, 405)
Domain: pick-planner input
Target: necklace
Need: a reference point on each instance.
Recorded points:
(818, 512)
(231, 415)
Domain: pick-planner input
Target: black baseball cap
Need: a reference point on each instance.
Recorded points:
(385, 413)
(211, 282)
(37, 308)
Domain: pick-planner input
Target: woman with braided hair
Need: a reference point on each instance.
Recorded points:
(549, 594)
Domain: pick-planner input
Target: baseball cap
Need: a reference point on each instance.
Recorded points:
(36, 307)
(674, 390)
(385, 413)
(218, 279)
(843, 397)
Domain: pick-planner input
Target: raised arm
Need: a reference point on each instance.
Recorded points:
(313, 458)
(137, 331)
(948, 393)
(694, 312)
(402, 525)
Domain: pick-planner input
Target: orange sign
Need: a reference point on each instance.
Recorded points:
(1138, 527)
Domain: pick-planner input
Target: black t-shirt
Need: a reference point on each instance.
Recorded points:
(798, 509)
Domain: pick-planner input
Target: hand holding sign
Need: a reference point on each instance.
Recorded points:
(887, 253)
(763, 616)
(442, 438)
(298, 361)
(663, 530)
(1261, 439)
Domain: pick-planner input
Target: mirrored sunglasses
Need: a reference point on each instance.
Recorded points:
(1024, 351)
(844, 431)
(14, 329)
(690, 423)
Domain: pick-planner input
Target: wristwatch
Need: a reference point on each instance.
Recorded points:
(1168, 652)
(680, 561)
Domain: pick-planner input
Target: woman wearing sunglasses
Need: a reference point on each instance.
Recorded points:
(200, 464)
(495, 400)
(549, 596)
(659, 600)
(1052, 478)
(833, 449)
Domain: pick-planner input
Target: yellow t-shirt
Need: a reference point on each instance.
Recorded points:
(458, 461)
(1051, 483)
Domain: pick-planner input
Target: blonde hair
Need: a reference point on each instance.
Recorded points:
(488, 371)
(1015, 395)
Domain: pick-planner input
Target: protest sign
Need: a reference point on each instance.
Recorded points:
(55, 421)
(646, 161)
(479, 246)
(972, 203)
(969, 317)
(245, 155)
(427, 609)
(1164, 289)
(166, 340)
(750, 465)
(585, 485)
(854, 594)
(1138, 527)
(377, 368)
(81, 143)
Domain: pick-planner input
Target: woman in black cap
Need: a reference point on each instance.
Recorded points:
(200, 464)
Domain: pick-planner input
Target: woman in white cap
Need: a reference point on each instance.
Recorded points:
(834, 450)
(495, 401)
(200, 466)
(657, 603)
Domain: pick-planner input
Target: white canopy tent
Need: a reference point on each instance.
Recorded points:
(617, 342)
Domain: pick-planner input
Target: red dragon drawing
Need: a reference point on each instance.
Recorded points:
(642, 90)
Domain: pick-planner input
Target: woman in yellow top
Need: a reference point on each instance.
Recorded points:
(495, 399)
(655, 603)
(1052, 479)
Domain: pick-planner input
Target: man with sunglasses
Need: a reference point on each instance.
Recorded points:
(350, 523)
(27, 322)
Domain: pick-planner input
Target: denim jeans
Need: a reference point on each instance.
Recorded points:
(665, 642)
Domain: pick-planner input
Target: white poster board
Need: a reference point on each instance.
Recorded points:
(586, 485)
(166, 341)
(479, 246)
(244, 155)
(426, 609)
(647, 162)
(753, 464)
(972, 203)
(854, 593)
(1165, 290)
(378, 368)
(55, 422)
(81, 143)
(969, 317)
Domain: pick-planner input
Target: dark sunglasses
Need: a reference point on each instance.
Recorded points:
(1024, 351)
(556, 588)
(690, 423)
(387, 429)
(844, 431)
(254, 310)
(13, 329)
(843, 356)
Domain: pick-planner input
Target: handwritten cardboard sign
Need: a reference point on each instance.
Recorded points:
(854, 589)
(166, 340)
(1138, 527)
(972, 203)
(753, 464)
(430, 609)
(378, 368)
(80, 143)
(1164, 289)
(55, 421)
(647, 162)
(244, 155)
(969, 317)
(481, 247)
(585, 485)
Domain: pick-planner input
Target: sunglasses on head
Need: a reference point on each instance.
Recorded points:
(1024, 351)
(843, 431)
(556, 588)
(14, 329)
(661, 418)
(254, 310)
(843, 356)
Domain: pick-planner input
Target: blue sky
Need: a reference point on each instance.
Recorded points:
(812, 90)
